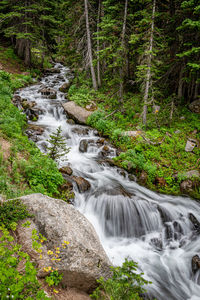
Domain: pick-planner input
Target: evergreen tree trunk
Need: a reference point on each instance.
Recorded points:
(148, 74)
(89, 46)
(180, 83)
(27, 53)
(98, 46)
(121, 88)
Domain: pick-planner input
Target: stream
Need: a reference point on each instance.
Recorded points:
(131, 221)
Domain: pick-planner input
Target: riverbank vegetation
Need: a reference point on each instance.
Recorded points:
(24, 169)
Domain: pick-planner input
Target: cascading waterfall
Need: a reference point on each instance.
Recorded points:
(131, 221)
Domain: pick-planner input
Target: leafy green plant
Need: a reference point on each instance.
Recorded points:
(125, 284)
(12, 211)
(17, 274)
(54, 278)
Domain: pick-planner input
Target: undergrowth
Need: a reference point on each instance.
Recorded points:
(158, 149)
(25, 169)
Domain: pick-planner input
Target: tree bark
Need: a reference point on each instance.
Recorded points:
(180, 83)
(121, 87)
(89, 46)
(98, 46)
(148, 74)
(27, 53)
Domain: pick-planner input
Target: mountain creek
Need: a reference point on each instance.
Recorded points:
(160, 232)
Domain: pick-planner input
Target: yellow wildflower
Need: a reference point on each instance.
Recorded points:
(66, 242)
(55, 291)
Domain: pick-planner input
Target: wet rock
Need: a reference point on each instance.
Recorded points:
(52, 96)
(143, 177)
(115, 191)
(107, 161)
(77, 113)
(66, 170)
(81, 130)
(195, 223)
(60, 77)
(132, 177)
(195, 263)
(157, 243)
(17, 99)
(177, 227)
(195, 106)
(50, 93)
(82, 184)
(27, 104)
(105, 151)
(81, 262)
(83, 146)
(101, 141)
(34, 129)
(169, 231)
(164, 214)
(52, 71)
(190, 145)
(121, 172)
(67, 186)
(65, 87)
(70, 121)
(32, 114)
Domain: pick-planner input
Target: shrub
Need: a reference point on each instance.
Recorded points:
(11, 212)
(125, 284)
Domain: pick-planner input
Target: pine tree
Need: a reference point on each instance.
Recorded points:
(57, 146)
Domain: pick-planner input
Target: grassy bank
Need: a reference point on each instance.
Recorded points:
(156, 154)
(24, 169)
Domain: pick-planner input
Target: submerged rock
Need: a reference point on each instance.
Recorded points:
(83, 260)
(83, 146)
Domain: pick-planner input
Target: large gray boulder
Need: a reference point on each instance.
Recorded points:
(77, 113)
(83, 261)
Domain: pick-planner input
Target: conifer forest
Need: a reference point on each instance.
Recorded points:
(100, 149)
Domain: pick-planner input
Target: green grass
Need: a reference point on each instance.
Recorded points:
(26, 170)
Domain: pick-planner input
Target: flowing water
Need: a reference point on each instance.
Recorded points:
(131, 221)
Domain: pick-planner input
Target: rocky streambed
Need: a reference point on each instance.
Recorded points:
(160, 232)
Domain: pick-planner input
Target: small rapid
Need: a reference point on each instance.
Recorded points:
(154, 230)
